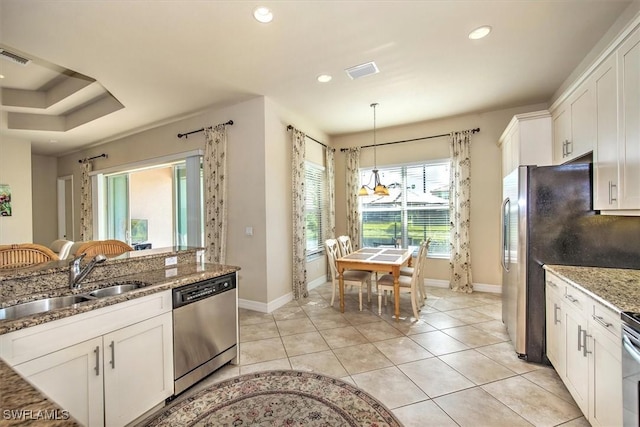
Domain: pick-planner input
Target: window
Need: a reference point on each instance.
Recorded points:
(315, 207)
(417, 207)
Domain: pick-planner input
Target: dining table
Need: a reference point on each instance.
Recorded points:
(380, 260)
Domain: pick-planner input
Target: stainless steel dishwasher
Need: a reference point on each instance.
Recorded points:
(205, 328)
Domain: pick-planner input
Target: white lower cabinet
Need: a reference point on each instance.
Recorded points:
(589, 359)
(70, 379)
(110, 379)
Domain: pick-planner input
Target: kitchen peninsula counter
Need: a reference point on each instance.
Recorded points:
(616, 288)
(29, 405)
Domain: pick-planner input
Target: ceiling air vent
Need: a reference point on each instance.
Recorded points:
(13, 57)
(362, 70)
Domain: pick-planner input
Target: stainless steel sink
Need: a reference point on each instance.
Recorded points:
(118, 289)
(40, 306)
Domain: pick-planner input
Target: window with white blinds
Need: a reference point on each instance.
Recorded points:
(417, 207)
(316, 207)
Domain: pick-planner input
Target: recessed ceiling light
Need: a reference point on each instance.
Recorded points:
(480, 32)
(263, 14)
(324, 78)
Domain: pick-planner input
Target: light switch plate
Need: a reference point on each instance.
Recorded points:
(172, 260)
(248, 231)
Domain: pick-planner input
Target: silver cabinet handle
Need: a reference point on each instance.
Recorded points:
(584, 343)
(569, 151)
(580, 337)
(613, 186)
(550, 283)
(556, 307)
(564, 148)
(97, 352)
(113, 355)
(601, 321)
(570, 298)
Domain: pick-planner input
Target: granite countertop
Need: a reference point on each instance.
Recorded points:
(616, 288)
(159, 280)
(20, 402)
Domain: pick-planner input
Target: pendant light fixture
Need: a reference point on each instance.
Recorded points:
(379, 189)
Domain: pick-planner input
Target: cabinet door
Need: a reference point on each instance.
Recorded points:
(605, 379)
(577, 362)
(73, 378)
(561, 133)
(582, 122)
(138, 369)
(605, 170)
(555, 328)
(629, 75)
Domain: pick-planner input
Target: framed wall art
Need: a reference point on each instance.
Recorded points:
(5, 200)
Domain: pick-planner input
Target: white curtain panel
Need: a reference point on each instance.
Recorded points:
(298, 215)
(86, 204)
(460, 212)
(353, 205)
(215, 193)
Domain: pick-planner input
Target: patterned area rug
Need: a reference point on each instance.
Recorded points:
(278, 398)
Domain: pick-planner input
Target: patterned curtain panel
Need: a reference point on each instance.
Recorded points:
(330, 232)
(86, 204)
(353, 186)
(298, 215)
(331, 192)
(215, 193)
(459, 212)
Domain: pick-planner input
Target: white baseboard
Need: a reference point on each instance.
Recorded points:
(283, 300)
(480, 287)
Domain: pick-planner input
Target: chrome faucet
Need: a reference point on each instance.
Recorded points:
(76, 274)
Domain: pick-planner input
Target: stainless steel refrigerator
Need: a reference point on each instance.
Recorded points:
(547, 218)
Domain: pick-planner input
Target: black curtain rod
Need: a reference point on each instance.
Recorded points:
(92, 158)
(186, 135)
(411, 140)
(313, 139)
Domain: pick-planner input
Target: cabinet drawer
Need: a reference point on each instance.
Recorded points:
(577, 299)
(555, 284)
(607, 319)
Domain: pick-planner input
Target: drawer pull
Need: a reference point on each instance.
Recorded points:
(571, 298)
(601, 321)
(550, 283)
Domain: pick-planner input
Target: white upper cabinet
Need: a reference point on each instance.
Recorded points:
(526, 141)
(629, 122)
(616, 157)
(605, 153)
(574, 125)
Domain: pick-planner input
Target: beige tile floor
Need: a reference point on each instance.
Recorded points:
(453, 366)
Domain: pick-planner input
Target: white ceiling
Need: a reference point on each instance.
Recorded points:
(166, 59)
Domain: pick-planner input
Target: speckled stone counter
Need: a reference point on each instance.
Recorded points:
(29, 406)
(616, 288)
(158, 280)
(21, 404)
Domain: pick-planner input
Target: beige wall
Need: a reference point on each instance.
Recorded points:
(15, 171)
(259, 184)
(486, 183)
(44, 173)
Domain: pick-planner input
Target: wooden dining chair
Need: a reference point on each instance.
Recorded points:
(344, 243)
(351, 277)
(408, 271)
(409, 284)
(104, 247)
(24, 255)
